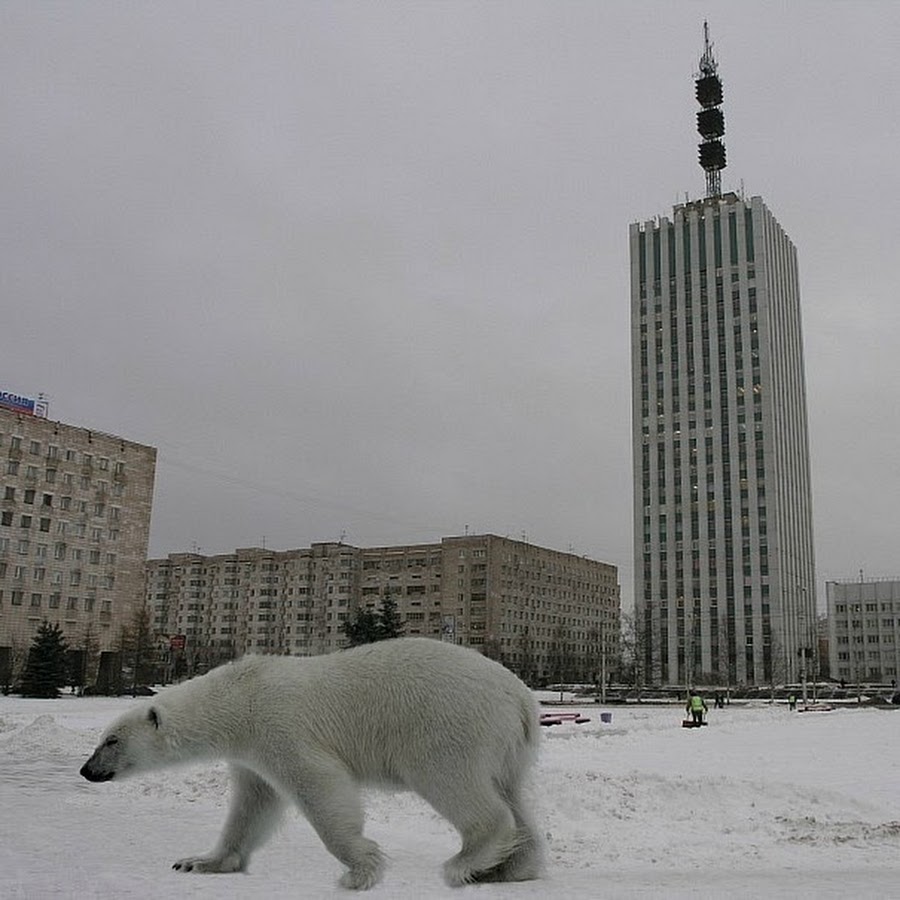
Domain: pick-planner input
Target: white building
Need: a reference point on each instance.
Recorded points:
(864, 629)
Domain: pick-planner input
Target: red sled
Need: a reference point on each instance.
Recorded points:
(557, 718)
(690, 723)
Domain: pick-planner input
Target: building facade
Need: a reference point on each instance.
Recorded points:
(723, 535)
(864, 629)
(74, 526)
(547, 615)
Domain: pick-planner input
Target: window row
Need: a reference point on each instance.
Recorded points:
(55, 601)
(17, 445)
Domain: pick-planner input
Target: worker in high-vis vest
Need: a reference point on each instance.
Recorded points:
(696, 706)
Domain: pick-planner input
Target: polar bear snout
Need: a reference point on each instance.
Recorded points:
(104, 761)
(89, 771)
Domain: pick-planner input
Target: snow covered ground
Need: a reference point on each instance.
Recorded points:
(762, 803)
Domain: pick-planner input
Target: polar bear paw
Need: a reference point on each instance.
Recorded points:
(366, 873)
(231, 862)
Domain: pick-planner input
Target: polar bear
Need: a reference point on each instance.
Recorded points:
(411, 713)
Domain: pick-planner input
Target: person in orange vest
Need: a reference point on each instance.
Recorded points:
(696, 706)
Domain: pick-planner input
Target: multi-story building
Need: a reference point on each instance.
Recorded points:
(723, 546)
(864, 629)
(547, 615)
(74, 525)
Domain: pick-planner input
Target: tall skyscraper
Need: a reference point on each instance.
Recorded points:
(723, 534)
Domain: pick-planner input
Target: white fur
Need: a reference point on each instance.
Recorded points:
(414, 713)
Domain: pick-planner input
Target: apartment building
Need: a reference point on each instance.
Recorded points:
(547, 615)
(864, 629)
(75, 510)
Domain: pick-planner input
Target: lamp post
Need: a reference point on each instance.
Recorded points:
(804, 649)
(603, 675)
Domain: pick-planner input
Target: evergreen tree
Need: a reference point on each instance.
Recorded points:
(368, 626)
(390, 623)
(363, 628)
(45, 671)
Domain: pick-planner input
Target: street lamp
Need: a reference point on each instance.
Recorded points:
(805, 650)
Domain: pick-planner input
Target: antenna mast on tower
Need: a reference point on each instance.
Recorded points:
(710, 118)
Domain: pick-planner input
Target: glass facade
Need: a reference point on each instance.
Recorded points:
(724, 564)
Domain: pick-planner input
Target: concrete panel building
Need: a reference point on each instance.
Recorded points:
(864, 629)
(74, 526)
(547, 615)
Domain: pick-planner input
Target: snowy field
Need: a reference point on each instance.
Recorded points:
(762, 803)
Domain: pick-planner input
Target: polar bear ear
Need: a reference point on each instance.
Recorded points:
(153, 717)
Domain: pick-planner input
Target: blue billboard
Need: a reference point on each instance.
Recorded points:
(25, 405)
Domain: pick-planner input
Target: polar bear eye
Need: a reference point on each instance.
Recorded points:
(111, 741)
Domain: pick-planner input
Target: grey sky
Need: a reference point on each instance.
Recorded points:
(362, 268)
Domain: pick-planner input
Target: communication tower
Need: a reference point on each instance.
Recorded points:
(710, 118)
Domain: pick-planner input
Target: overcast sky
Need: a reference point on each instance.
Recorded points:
(361, 269)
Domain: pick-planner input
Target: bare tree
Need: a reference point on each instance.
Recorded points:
(632, 652)
(493, 650)
(138, 654)
(559, 657)
(527, 669)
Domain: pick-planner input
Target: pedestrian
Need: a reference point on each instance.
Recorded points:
(792, 702)
(696, 706)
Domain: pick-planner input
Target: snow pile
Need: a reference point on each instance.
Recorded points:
(41, 737)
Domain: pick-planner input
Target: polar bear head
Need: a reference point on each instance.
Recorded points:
(135, 742)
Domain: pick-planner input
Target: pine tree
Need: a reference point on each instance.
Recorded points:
(390, 623)
(45, 671)
(368, 626)
(363, 628)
